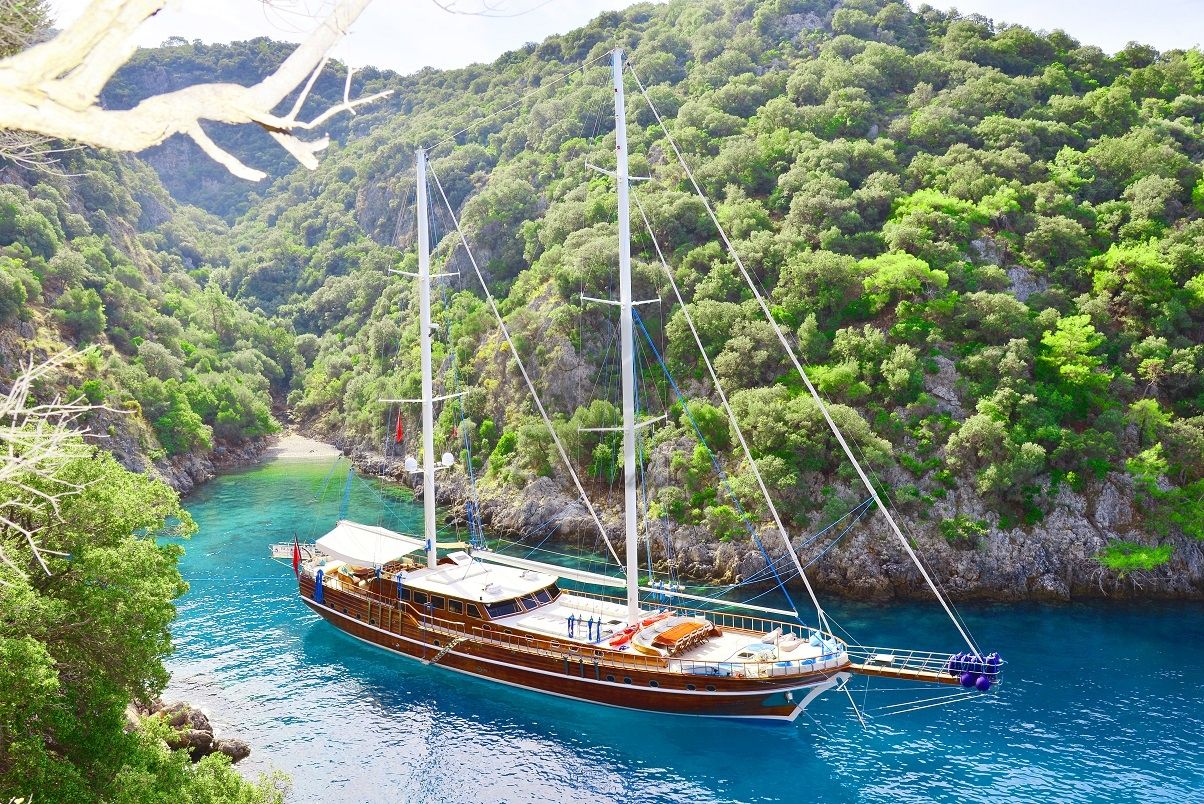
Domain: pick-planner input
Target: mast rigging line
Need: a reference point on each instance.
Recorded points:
(752, 531)
(523, 368)
(819, 610)
(823, 408)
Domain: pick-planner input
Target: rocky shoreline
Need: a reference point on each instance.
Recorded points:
(1051, 561)
(191, 730)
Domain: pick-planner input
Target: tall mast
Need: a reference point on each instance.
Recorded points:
(424, 338)
(627, 342)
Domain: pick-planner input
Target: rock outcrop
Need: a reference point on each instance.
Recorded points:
(192, 731)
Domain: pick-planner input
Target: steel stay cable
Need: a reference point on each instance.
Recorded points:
(798, 366)
(752, 531)
(523, 369)
(730, 413)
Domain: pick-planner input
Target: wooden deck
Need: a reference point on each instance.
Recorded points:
(906, 673)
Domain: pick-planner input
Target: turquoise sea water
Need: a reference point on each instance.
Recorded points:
(1101, 702)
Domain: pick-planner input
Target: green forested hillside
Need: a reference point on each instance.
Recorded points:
(97, 254)
(987, 241)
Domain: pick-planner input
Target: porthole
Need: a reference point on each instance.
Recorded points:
(437, 643)
(611, 679)
(710, 687)
(691, 687)
(654, 683)
(626, 679)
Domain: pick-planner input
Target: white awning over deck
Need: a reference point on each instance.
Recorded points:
(366, 545)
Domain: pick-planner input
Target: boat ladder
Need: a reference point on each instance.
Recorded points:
(443, 651)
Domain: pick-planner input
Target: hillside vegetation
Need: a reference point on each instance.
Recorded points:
(987, 241)
(97, 256)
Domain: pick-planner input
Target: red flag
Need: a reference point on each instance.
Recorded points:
(296, 556)
(401, 430)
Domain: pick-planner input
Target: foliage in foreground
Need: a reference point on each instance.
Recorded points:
(80, 644)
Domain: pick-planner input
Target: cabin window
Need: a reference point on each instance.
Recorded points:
(691, 687)
(473, 611)
(502, 608)
(530, 602)
(544, 595)
(654, 683)
(626, 679)
(710, 687)
(405, 593)
(455, 606)
(437, 601)
(611, 679)
(420, 598)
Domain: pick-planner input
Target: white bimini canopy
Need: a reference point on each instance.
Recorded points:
(366, 545)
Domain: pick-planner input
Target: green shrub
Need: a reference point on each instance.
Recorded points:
(962, 531)
(1124, 557)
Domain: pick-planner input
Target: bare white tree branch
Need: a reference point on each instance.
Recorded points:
(52, 88)
(36, 440)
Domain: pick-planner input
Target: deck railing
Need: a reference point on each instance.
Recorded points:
(919, 664)
(725, 619)
(578, 657)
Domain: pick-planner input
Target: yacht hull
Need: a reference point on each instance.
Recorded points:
(588, 679)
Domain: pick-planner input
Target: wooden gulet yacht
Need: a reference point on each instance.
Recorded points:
(507, 619)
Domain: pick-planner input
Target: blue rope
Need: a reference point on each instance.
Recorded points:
(639, 441)
(346, 494)
(714, 460)
(669, 558)
(329, 475)
(861, 505)
(390, 509)
(824, 552)
(476, 531)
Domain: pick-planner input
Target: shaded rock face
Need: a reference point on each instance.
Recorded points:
(1053, 560)
(1025, 283)
(943, 387)
(795, 24)
(185, 472)
(235, 749)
